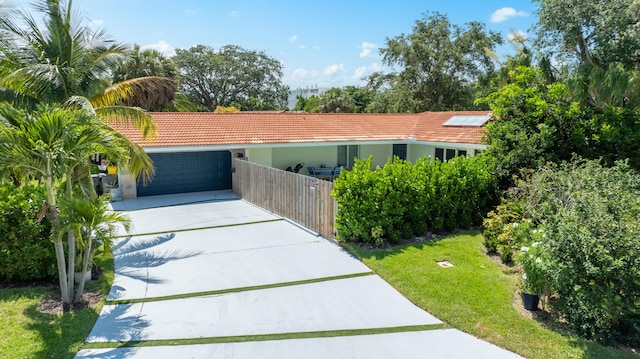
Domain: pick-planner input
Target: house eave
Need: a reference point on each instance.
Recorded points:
(229, 147)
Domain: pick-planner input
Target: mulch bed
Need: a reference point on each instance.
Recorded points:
(53, 304)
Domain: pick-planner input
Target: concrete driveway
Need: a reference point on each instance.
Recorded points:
(240, 282)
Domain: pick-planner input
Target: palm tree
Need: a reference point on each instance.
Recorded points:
(91, 217)
(66, 62)
(50, 144)
(138, 63)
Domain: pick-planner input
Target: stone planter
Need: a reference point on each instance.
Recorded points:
(87, 276)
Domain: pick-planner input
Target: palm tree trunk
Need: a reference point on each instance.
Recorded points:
(57, 243)
(85, 265)
(71, 242)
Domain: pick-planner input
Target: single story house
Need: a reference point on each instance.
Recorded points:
(193, 151)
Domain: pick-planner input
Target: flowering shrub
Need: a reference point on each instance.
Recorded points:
(534, 262)
(589, 253)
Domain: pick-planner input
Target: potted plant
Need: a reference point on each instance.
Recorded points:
(534, 283)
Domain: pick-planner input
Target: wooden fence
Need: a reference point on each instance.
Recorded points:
(302, 199)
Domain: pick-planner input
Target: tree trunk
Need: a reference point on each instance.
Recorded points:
(71, 244)
(57, 243)
(85, 264)
(71, 254)
(585, 55)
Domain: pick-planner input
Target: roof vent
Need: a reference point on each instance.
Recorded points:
(467, 120)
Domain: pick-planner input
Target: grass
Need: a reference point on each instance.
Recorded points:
(477, 296)
(29, 333)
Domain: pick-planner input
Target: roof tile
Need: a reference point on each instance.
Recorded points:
(244, 128)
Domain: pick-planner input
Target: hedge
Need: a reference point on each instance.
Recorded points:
(402, 200)
(26, 253)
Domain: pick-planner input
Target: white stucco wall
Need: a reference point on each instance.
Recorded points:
(262, 156)
(380, 153)
(415, 152)
(310, 155)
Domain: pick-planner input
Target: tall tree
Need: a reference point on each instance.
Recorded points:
(230, 76)
(335, 100)
(61, 60)
(598, 44)
(438, 62)
(594, 32)
(138, 63)
(533, 123)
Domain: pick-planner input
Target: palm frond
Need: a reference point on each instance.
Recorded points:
(136, 117)
(127, 90)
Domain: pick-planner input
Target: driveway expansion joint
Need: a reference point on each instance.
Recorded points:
(199, 228)
(264, 337)
(235, 290)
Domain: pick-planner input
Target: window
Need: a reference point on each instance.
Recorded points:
(346, 155)
(451, 153)
(400, 150)
(444, 154)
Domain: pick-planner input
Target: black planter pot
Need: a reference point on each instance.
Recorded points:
(530, 301)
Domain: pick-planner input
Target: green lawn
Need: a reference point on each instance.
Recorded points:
(475, 296)
(28, 333)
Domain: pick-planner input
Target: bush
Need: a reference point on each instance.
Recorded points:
(591, 244)
(499, 232)
(25, 250)
(402, 199)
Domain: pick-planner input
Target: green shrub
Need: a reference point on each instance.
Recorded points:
(403, 199)
(591, 244)
(26, 253)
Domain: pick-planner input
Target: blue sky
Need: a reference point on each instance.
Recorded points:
(325, 43)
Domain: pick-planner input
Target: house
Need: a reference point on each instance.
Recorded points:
(193, 151)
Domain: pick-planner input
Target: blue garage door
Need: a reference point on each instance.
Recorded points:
(188, 172)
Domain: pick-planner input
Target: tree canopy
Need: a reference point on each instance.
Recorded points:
(231, 76)
(591, 31)
(62, 60)
(438, 64)
(138, 63)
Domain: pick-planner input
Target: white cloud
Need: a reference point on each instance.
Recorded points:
(162, 47)
(333, 69)
(518, 33)
(365, 71)
(293, 38)
(302, 47)
(303, 75)
(505, 14)
(366, 49)
(96, 22)
(234, 14)
(191, 11)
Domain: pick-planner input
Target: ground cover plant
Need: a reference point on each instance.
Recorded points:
(478, 295)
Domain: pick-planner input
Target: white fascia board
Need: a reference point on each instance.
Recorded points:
(229, 147)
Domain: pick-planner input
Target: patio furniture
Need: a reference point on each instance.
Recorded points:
(298, 167)
(313, 171)
(326, 173)
(336, 172)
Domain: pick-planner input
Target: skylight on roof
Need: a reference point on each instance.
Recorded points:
(467, 120)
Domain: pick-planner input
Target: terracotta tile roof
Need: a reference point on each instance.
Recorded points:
(246, 128)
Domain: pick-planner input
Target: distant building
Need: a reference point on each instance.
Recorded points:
(305, 92)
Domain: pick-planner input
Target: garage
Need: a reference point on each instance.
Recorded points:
(182, 172)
